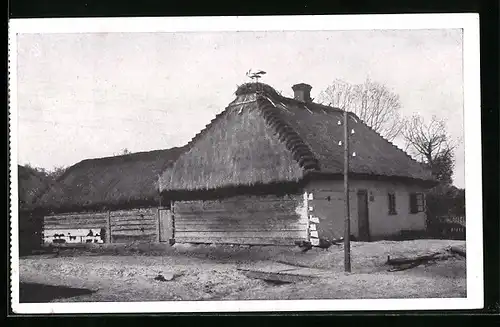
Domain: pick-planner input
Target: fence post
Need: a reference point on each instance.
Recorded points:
(108, 227)
(158, 226)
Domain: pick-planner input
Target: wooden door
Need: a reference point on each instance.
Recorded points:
(166, 225)
(363, 225)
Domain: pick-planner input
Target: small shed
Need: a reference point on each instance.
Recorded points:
(109, 200)
(269, 170)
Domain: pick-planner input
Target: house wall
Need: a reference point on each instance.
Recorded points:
(264, 220)
(137, 225)
(134, 225)
(331, 212)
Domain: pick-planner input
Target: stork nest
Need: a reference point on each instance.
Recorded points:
(253, 87)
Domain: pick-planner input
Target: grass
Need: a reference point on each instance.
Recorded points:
(127, 273)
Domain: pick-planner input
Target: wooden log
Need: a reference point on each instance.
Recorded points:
(132, 232)
(251, 234)
(458, 251)
(89, 226)
(145, 228)
(276, 277)
(79, 222)
(134, 223)
(133, 216)
(133, 212)
(239, 240)
(182, 226)
(75, 216)
(401, 261)
(133, 238)
(229, 217)
(226, 211)
(279, 207)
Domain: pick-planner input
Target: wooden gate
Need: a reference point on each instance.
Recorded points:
(166, 225)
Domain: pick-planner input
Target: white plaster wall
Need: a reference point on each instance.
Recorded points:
(331, 213)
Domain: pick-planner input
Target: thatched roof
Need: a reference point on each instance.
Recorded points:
(112, 182)
(30, 185)
(263, 137)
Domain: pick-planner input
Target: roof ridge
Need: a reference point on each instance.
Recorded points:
(301, 152)
(209, 125)
(81, 162)
(390, 142)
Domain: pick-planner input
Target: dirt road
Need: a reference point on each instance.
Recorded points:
(208, 273)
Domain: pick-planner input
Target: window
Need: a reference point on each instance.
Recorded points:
(416, 202)
(392, 203)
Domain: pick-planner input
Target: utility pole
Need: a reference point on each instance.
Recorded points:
(347, 219)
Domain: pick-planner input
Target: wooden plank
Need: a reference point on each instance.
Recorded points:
(134, 223)
(77, 222)
(132, 232)
(228, 229)
(73, 217)
(231, 216)
(133, 213)
(89, 226)
(166, 225)
(133, 219)
(243, 223)
(133, 216)
(79, 214)
(133, 238)
(241, 240)
(223, 228)
(138, 228)
(243, 212)
(271, 234)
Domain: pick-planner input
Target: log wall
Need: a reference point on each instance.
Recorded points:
(134, 225)
(262, 220)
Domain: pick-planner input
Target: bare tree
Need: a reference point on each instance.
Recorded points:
(431, 144)
(373, 102)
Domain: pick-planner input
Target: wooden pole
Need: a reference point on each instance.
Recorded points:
(108, 227)
(158, 225)
(347, 220)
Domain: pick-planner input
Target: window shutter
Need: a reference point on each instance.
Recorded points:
(413, 203)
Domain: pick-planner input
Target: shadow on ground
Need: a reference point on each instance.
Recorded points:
(41, 293)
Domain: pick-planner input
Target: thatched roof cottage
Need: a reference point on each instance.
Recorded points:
(268, 170)
(116, 198)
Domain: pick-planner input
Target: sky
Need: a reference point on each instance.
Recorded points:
(91, 95)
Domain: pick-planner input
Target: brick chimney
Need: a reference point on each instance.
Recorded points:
(302, 92)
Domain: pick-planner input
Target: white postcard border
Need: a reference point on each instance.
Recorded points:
(472, 125)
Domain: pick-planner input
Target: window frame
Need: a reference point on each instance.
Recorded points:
(417, 202)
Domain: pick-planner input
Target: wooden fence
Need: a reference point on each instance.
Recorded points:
(448, 227)
(122, 226)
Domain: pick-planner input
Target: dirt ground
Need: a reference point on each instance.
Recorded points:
(127, 273)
